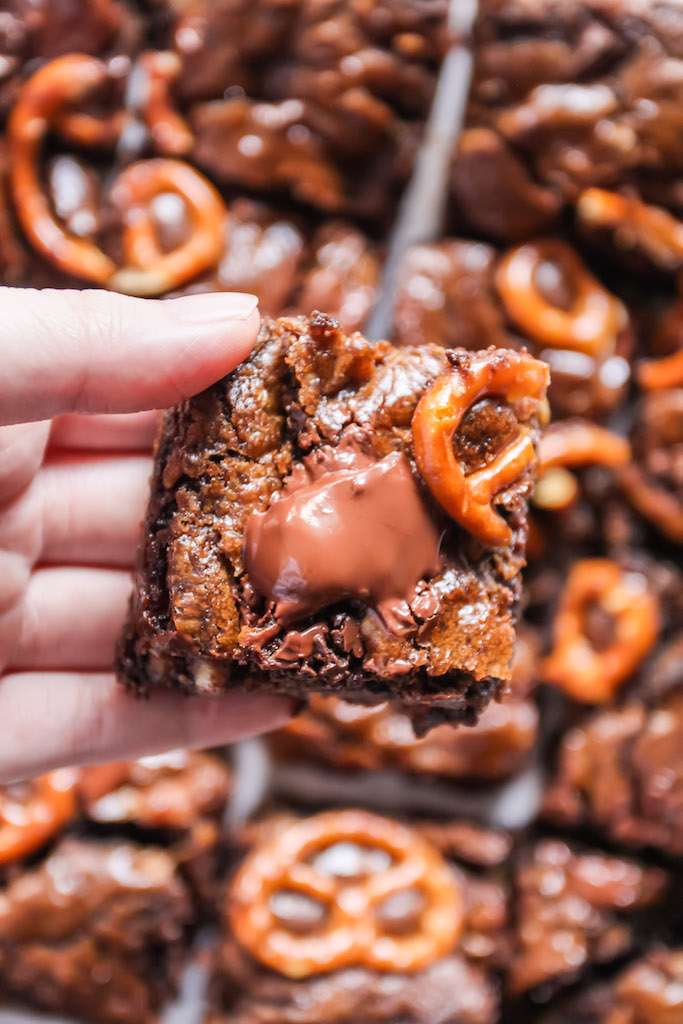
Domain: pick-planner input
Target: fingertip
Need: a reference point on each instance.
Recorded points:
(213, 721)
(187, 344)
(101, 352)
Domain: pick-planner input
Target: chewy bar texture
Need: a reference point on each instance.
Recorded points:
(355, 739)
(347, 915)
(575, 104)
(324, 102)
(423, 933)
(292, 545)
(96, 931)
(104, 873)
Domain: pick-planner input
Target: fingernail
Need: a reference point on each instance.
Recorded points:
(213, 307)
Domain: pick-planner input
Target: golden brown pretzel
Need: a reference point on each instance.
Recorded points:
(651, 482)
(351, 932)
(578, 668)
(25, 824)
(159, 69)
(468, 498)
(573, 443)
(64, 81)
(650, 228)
(592, 322)
(661, 374)
(148, 270)
(45, 103)
(581, 443)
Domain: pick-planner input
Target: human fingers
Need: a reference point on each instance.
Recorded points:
(91, 508)
(129, 432)
(70, 618)
(90, 719)
(100, 352)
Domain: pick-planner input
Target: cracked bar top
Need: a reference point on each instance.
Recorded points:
(315, 526)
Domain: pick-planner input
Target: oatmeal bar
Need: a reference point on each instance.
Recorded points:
(95, 931)
(348, 916)
(311, 529)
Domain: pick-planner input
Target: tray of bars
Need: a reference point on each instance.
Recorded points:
(504, 174)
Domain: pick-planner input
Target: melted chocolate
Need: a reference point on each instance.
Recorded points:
(346, 525)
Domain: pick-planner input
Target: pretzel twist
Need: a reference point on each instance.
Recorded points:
(468, 498)
(63, 83)
(591, 675)
(592, 323)
(654, 230)
(651, 482)
(662, 374)
(352, 932)
(573, 443)
(158, 70)
(149, 271)
(26, 824)
(581, 443)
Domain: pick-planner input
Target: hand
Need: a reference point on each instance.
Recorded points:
(73, 488)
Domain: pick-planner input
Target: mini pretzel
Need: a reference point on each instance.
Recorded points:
(581, 443)
(148, 270)
(351, 933)
(653, 229)
(592, 323)
(26, 824)
(573, 443)
(660, 374)
(468, 498)
(574, 665)
(67, 80)
(40, 107)
(158, 70)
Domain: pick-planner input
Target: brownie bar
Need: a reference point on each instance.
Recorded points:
(242, 582)
(96, 931)
(285, 261)
(172, 791)
(574, 908)
(175, 799)
(438, 967)
(648, 991)
(359, 739)
(325, 102)
(620, 772)
(29, 34)
(463, 293)
(576, 104)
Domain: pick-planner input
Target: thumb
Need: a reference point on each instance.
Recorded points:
(96, 351)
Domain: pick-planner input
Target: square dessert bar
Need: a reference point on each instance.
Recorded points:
(347, 916)
(96, 931)
(341, 516)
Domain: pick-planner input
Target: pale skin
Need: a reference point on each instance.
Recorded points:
(81, 374)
